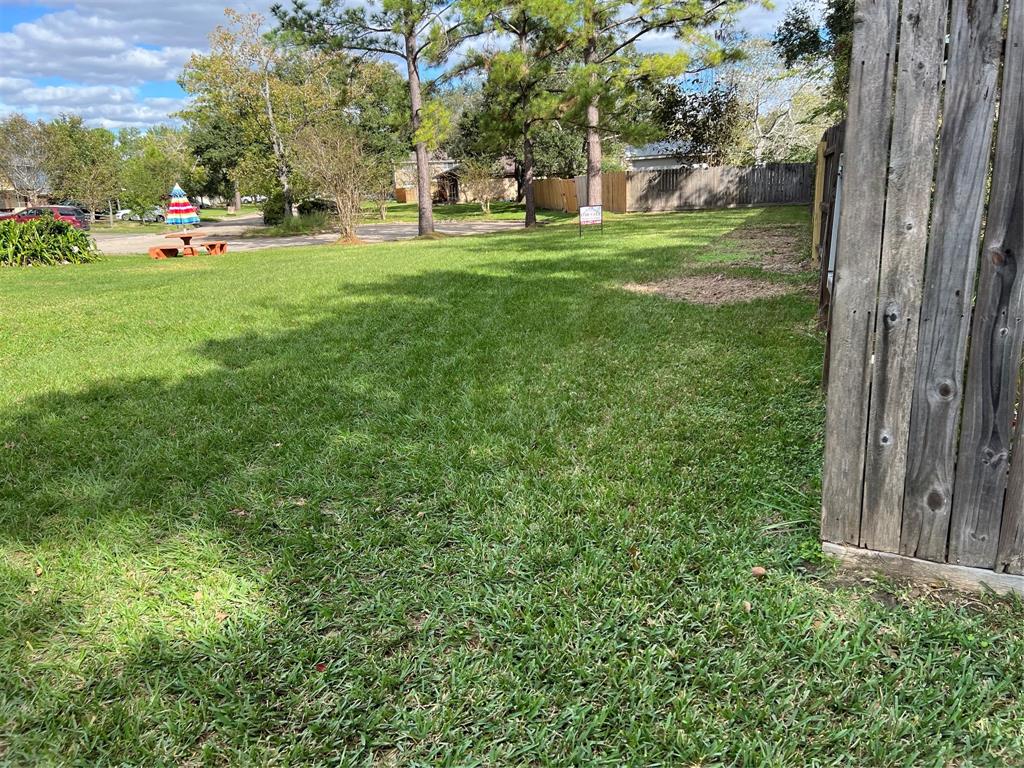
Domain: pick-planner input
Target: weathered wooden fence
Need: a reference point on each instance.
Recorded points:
(826, 200)
(681, 189)
(921, 475)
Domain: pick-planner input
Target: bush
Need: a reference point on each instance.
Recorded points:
(316, 205)
(309, 224)
(273, 209)
(44, 241)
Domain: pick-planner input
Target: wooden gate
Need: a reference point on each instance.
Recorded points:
(921, 475)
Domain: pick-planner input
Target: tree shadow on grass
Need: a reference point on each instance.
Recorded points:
(399, 525)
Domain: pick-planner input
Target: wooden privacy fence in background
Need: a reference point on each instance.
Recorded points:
(680, 189)
(921, 472)
(556, 194)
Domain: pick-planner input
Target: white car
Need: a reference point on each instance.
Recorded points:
(155, 214)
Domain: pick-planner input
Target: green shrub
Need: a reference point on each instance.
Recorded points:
(273, 209)
(296, 225)
(317, 205)
(44, 241)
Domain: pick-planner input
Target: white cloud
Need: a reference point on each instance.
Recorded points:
(104, 50)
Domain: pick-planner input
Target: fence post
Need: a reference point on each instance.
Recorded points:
(819, 191)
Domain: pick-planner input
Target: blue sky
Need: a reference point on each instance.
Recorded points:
(115, 61)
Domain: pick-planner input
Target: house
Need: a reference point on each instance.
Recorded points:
(446, 182)
(11, 199)
(662, 155)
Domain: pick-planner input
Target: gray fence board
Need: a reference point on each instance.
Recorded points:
(1011, 536)
(904, 241)
(856, 278)
(965, 142)
(996, 333)
(680, 189)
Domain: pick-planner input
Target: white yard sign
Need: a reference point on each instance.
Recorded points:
(590, 214)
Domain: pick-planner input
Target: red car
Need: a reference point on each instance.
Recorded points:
(76, 217)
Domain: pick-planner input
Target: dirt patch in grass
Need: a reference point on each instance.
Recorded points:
(782, 249)
(713, 289)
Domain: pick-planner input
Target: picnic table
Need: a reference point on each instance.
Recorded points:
(187, 248)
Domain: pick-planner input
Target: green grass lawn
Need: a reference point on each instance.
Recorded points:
(127, 228)
(408, 212)
(220, 214)
(462, 502)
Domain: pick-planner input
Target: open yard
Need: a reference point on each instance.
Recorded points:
(475, 501)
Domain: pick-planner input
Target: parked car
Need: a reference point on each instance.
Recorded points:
(90, 214)
(76, 217)
(156, 214)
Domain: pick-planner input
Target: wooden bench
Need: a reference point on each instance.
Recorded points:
(162, 251)
(216, 247)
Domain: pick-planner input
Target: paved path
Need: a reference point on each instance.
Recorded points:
(231, 230)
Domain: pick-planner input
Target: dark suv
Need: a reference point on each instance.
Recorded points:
(76, 217)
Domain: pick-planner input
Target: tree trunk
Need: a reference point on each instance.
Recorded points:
(423, 201)
(594, 156)
(283, 171)
(236, 200)
(531, 202)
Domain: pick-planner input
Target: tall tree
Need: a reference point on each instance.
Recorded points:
(610, 65)
(521, 91)
(151, 164)
(218, 143)
(417, 33)
(23, 156)
(825, 46)
(702, 120)
(274, 88)
(780, 112)
(82, 164)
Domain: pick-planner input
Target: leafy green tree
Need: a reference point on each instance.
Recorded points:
(376, 101)
(271, 86)
(23, 155)
(610, 69)
(152, 163)
(800, 39)
(417, 33)
(82, 163)
(521, 91)
(218, 144)
(703, 120)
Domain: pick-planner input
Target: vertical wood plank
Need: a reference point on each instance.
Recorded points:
(904, 242)
(1011, 536)
(964, 145)
(857, 258)
(997, 332)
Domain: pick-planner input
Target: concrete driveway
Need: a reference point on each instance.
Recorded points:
(230, 231)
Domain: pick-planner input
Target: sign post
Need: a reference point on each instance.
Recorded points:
(591, 215)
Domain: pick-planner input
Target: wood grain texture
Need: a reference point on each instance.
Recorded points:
(941, 574)
(964, 146)
(904, 242)
(819, 191)
(855, 287)
(997, 331)
(680, 189)
(1011, 536)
